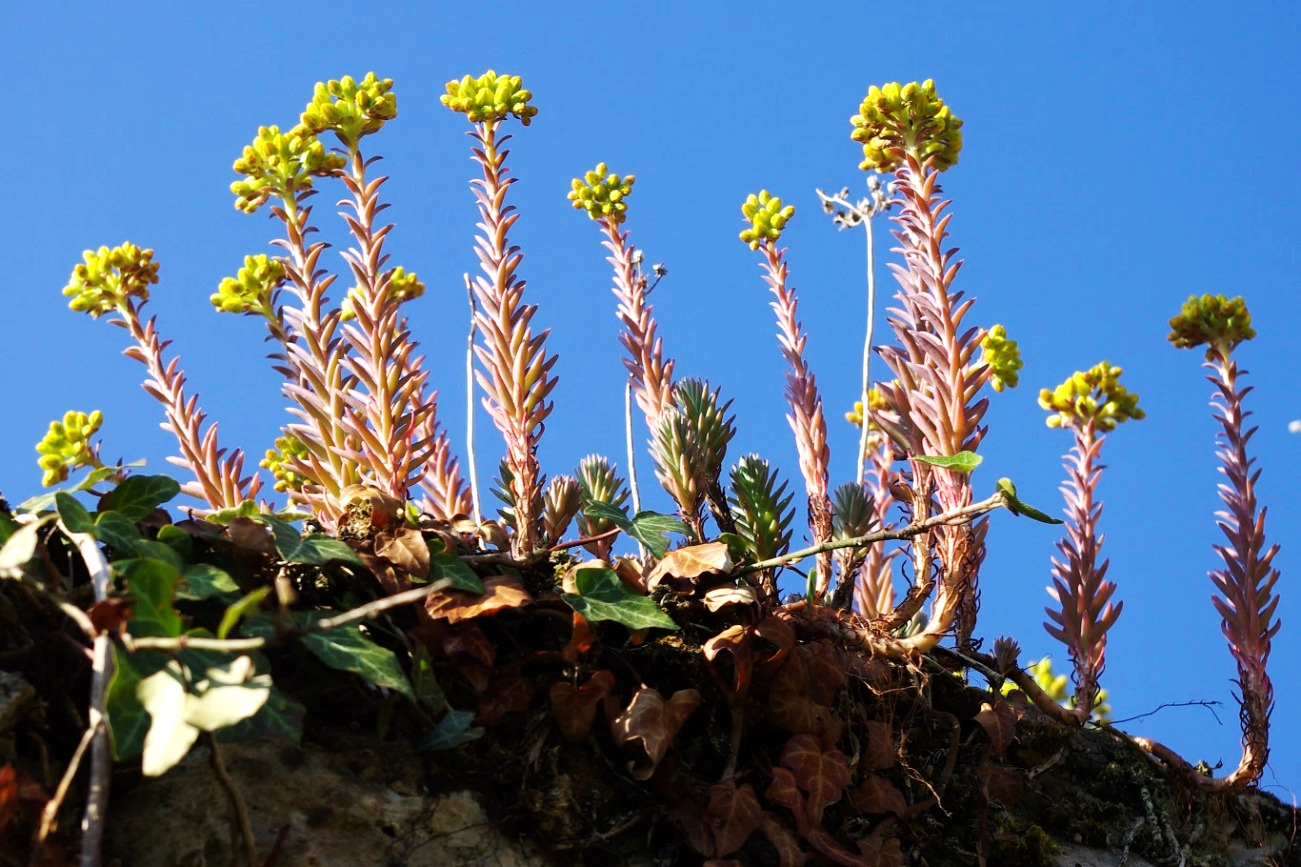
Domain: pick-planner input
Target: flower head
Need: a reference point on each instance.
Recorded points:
(767, 218)
(490, 97)
(278, 460)
(351, 109)
(280, 164)
(602, 195)
(1003, 357)
(249, 291)
(1214, 320)
(1094, 395)
(66, 446)
(911, 118)
(109, 277)
(403, 285)
(875, 402)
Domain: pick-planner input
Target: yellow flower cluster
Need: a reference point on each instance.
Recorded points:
(602, 195)
(1003, 357)
(874, 400)
(351, 109)
(402, 286)
(490, 97)
(66, 446)
(249, 291)
(280, 164)
(276, 461)
(1220, 322)
(767, 218)
(1093, 395)
(910, 117)
(109, 277)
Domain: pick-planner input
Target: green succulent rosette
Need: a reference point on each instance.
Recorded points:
(490, 97)
(108, 278)
(1220, 323)
(909, 118)
(602, 193)
(1094, 395)
(767, 217)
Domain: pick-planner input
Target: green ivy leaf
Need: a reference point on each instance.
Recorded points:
(347, 649)
(40, 502)
(147, 549)
(127, 719)
(1016, 507)
(73, 514)
(281, 717)
(452, 731)
(424, 683)
(602, 596)
(962, 462)
(239, 610)
(178, 540)
(152, 586)
(453, 572)
(204, 581)
(314, 550)
(648, 528)
(137, 496)
(114, 530)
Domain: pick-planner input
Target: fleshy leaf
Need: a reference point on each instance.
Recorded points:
(602, 596)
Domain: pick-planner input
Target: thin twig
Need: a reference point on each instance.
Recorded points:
(599, 537)
(632, 457)
(50, 813)
(954, 517)
(238, 809)
(867, 343)
(469, 404)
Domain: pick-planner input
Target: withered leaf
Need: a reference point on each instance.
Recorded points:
(688, 815)
(999, 722)
(731, 642)
(499, 592)
(689, 563)
(650, 724)
(779, 634)
(824, 774)
(789, 853)
(876, 794)
(472, 653)
(109, 615)
(509, 693)
(365, 509)
(720, 597)
(406, 548)
(1003, 785)
(733, 813)
(581, 639)
(791, 704)
(251, 538)
(575, 706)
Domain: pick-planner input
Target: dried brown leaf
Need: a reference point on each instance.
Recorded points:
(365, 511)
(581, 639)
(509, 693)
(791, 702)
(718, 598)
(879, 752)
(681, 567)
(999, 722)
(779, 634)
(650, 724)
(252, 539)
(824, 774)
(575, 706)
(472, 654)
(732, 643)
(689, 816)
(405, 547)
(734, 813)
(876, 794)
(499, 592)
(109, 615)
(789, 853)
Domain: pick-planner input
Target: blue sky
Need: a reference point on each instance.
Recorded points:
(1114, 163)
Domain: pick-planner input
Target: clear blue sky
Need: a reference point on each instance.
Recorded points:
(1115, 162)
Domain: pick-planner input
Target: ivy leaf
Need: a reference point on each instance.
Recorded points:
(152, 586)
(127, 719)
(114, 530)
(136, 496)
(1016, 507)
(453, 572)
(204, 581)
(147, 549)
(281, 717)
(239, 610)
(602, 596)
(314, 550)
(44, 501)
(962, 462)
(648, 528)
(73, 514)
(452, 731)
(347, 649)
(20, 547)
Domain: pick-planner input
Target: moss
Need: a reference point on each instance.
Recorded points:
(1032, 847)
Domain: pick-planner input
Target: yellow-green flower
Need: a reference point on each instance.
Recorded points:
(490, 97)
(249, 291)
(875, 400)
(282, 165)
(402, 286)
(278, 459)
(767, 218)
(108, 278)
(1214, 320)
(1003, 357)
(351, 109)
(1093, 395)
(66, 446)
(603, 195)
(910, 117)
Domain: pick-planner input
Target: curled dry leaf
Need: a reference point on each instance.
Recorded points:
(999, 722)
(472, 654)
(876, 794)
(252, 539)
(732, 643)
(650, 724)
(575, 706)
(406, 548)
(365, 510)
(686, 565)
(499, 592)
(581, 639)
(720, 597)
(733, 813)
(109, 615)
